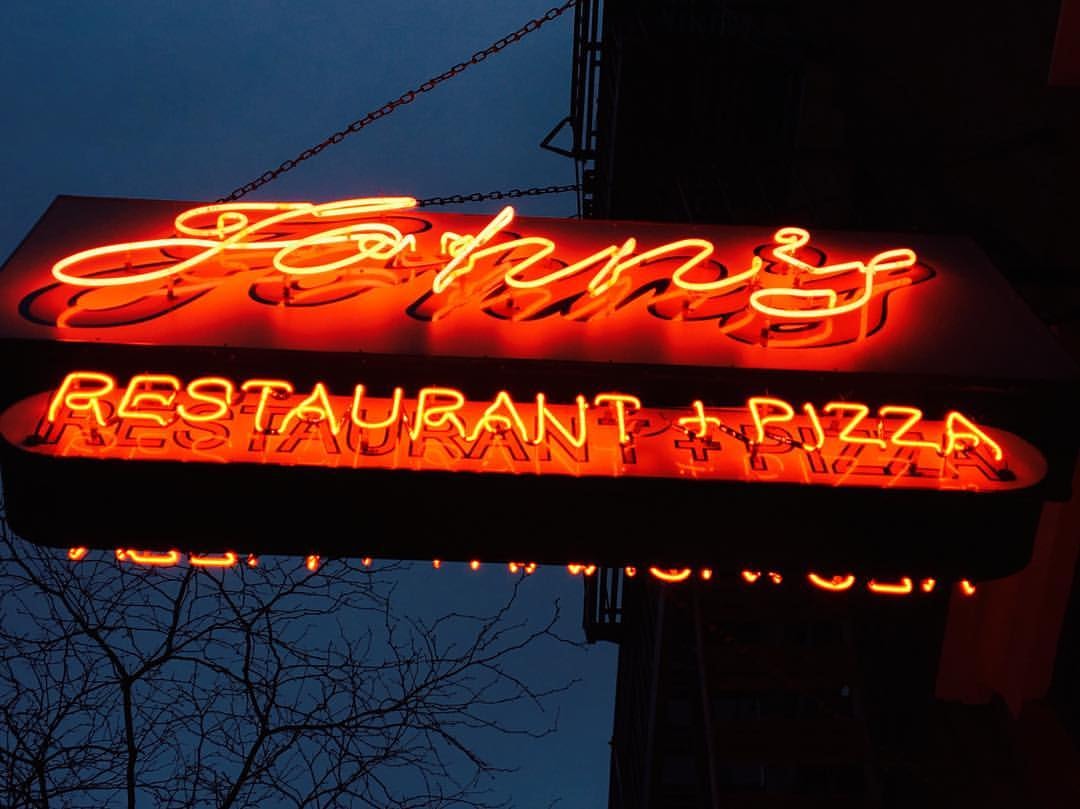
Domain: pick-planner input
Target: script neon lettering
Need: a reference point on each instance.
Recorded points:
(208, 233)
(678, 277)
(74, 396)
(791, 239)
(467, 245)
(513, 277)
(373, 242)
(232, 232)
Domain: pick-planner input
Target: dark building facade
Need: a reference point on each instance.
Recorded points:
(923, 117)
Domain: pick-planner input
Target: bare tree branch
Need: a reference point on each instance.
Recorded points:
(191, 687)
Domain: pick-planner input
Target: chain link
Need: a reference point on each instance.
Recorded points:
(401, 100)
(513, 193)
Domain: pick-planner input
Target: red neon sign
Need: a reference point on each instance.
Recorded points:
(681, 333)
(155, 417)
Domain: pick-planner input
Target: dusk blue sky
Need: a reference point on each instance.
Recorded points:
(189, 100)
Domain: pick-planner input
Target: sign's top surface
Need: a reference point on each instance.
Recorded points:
(382, 278)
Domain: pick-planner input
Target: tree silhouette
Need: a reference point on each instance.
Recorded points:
(249, 686)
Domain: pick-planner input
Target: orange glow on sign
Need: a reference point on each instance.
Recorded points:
(315, 407)
(545, 417)
(264, 421)
(968, 436)
(220, 402)
(380, 245)
(903, 587)
(670, 576)
(759, 403)
(74, 396)
(148, 389)
(227, 559)
(791, 239)
(698, 424)
(620, 402)
(859, 412)
(430, 414)
(266, 388)
(836, 584)
(913, 416)
(393, 416)
(148, 557)
(495, 421)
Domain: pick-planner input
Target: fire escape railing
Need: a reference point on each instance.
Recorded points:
(584, 97)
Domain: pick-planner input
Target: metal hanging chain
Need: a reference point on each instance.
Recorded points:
(400, 101)
(513, 193)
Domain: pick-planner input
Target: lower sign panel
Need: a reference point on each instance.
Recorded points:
(259, 467)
